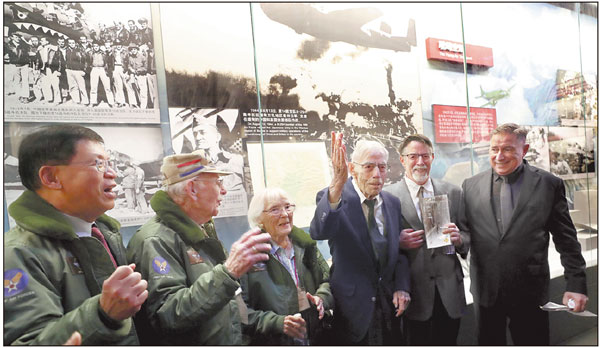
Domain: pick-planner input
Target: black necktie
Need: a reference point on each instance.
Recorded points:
(506, 206)
(378, 241)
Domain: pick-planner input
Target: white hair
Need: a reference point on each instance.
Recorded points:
(261, 201)
(363, 148)
(177, 190)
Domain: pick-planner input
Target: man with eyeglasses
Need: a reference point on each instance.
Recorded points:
(436, 277)
(510, 210)
(370, 276)
(194, 290)
(65, 267)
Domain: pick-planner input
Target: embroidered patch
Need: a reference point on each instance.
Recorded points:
(194, 256)
(74, 265)
(15, 281)
(161, 265)
(258, 267)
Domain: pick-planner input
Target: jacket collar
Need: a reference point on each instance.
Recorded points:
(34, 214)
(301, 238)
(176, 219)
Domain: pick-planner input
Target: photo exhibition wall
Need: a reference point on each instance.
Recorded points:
(261, 86)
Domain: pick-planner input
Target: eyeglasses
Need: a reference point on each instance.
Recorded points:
(101, 165)
(219, 181)
(368, 166)
(276, 211)
(415, 156)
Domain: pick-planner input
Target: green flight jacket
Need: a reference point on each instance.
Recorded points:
(53, 278)
(191, 295)
(271, 294)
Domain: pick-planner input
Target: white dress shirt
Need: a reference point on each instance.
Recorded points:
(378, 211)
(82, 228)
(413, 188)
(287, 258)
(379, 218)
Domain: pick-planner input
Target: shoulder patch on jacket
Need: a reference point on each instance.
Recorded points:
(160, 265)
(15, 281)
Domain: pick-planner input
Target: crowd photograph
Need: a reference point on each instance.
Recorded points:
(99, 65)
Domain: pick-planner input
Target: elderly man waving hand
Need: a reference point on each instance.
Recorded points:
(369, 277)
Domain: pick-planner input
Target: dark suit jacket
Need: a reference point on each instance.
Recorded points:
(354, 276)
(515, 265)
(431, 267)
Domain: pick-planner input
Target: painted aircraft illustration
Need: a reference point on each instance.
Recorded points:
(47, 19)
(356, 26)
(493, 97)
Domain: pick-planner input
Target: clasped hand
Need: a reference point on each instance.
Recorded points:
(123, 293)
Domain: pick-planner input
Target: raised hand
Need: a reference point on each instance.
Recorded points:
(340, 167)
(252, 247)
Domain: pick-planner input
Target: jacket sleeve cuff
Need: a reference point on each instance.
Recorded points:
(578, 286)
(115, 329)
(221, 273)
(462, 250)
(279, 323)
(108, 321)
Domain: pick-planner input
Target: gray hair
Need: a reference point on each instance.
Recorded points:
(512, 128)
(260, 201)
(363, 147)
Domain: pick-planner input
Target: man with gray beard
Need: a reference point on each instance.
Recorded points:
(436, 277)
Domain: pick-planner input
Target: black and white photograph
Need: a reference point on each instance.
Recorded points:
(217, 132)
(306, 90)
(135, 155)
(572, 151)
(538, 154)
(576, 98)
(308, 71)
(79, 62)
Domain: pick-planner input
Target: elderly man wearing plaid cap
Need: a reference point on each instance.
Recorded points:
(194, 291)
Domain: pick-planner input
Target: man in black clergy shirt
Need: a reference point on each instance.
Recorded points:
(510, 211)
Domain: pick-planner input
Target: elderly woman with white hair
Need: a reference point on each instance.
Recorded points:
(295, 277)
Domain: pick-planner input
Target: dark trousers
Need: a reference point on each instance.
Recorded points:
(528, 324)
(439, 330)
(383, 330)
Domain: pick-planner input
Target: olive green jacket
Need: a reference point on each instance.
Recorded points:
(271, 294)
(191, 295)
(53, 278)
